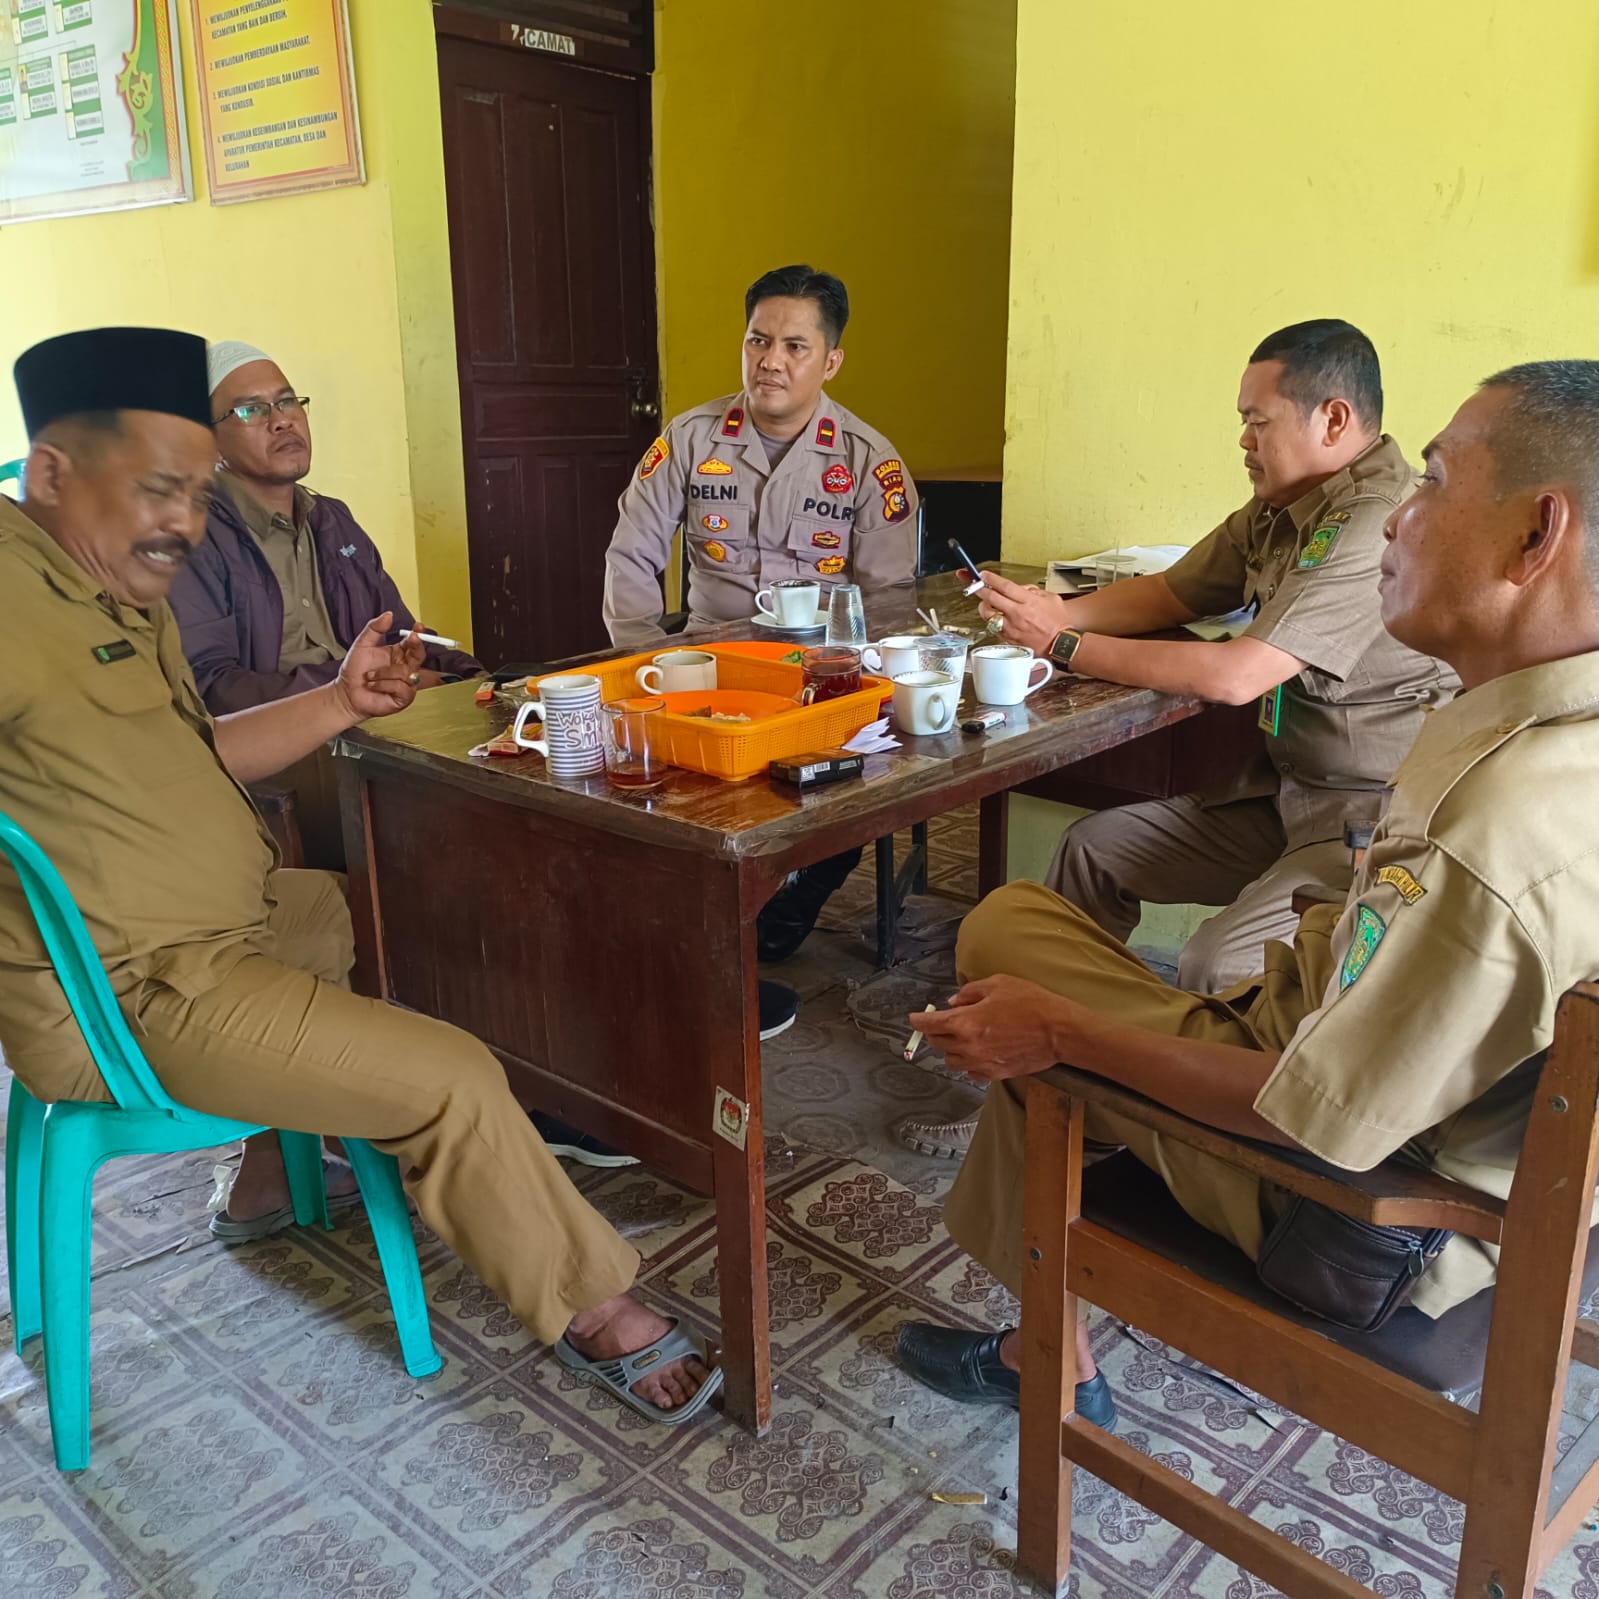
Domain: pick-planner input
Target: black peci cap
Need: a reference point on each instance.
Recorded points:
(113, 369)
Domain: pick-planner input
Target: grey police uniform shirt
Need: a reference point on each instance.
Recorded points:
(839, 508)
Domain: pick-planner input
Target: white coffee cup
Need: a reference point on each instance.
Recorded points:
(924, 702)
(574, 731)
(791, 602)
(894, 656)
(678, 672)
(1004, 674)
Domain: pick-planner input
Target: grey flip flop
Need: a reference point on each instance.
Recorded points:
(619, 1374)
(228, 1231)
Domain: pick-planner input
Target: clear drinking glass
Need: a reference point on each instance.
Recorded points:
(634, 744)
(846, 616)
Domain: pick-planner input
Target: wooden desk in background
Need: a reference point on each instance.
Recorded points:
(604, 945)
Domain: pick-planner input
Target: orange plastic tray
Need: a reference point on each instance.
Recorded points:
(739, 750)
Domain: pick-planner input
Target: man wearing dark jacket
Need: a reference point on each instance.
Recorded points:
(285, 580)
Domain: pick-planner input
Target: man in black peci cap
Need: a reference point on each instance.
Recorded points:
(230, 971)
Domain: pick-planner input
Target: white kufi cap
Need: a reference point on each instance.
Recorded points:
(229, 356)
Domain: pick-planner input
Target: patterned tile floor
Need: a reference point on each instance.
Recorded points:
(256, 1438)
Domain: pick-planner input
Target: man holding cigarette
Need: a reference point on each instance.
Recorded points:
(1408, 1018)
(230, 971)
(285, 578)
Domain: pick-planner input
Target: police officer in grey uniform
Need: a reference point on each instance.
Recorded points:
(776, 481)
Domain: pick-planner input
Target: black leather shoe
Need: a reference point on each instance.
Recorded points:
(786, 920)
(966, 1366)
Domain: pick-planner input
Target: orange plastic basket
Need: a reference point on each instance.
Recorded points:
(736, 750)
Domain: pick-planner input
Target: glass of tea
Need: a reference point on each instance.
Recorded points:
(635, 743)
(831, 671)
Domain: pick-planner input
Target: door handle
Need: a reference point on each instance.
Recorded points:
(642, 409)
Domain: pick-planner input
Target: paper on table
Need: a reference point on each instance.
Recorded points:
(1086, 572)
(873, 739)
(1221, 627)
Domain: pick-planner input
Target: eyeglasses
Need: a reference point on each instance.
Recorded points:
(254, 411)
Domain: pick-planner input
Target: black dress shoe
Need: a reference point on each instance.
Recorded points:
(786, 920)
(779, 1006)
(966, 1366)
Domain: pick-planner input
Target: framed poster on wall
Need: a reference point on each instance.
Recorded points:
(91, 107)
(277, 97)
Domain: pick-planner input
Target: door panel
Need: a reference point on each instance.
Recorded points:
(553, 262)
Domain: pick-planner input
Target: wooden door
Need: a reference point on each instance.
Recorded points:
(553, 257)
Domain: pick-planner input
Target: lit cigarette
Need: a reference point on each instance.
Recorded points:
(914, 1042)
(433, 638)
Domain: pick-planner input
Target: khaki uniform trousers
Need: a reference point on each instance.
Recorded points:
(280, 1041)
(1180, 852)
(1026, 931)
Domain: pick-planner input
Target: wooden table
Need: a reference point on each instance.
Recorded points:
(603, 945)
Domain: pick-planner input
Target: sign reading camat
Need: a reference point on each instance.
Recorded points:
(277, 97)
(561, 44)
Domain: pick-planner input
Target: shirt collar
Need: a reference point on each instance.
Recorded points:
(45, 556)
(257, 518)
(1380, 456)
(1550, 692)
(823, 434)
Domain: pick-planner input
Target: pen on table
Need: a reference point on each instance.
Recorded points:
(914, 1042)
(433, 638)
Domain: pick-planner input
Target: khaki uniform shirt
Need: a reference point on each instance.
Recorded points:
(840, 508)
(1476, 907)
(107, 760)
(290, 550)
(1346, 721)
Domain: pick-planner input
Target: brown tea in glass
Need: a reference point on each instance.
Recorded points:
(831, 671)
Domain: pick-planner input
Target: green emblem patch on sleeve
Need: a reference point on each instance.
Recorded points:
(1369, 930)
(1319, 546)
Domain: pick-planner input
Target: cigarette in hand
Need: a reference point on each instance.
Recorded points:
(433, 638)
(914, 1042)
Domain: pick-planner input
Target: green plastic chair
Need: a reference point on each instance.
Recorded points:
(12, 471)
(53, 1152)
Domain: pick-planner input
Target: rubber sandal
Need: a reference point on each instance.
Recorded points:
(228, 1231)
(618, 1375)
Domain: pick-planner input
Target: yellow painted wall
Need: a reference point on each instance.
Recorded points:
(867, 149)
(342, 288)
(1189, 177)
(872, 140)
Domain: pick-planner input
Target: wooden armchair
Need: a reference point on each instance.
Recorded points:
(1114, 1236)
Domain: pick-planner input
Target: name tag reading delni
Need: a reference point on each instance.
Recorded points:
(119, 650)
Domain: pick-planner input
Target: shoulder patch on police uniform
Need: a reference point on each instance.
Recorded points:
(1319, 546)
(1369, 930)
(890, 473)
(653, 457)
(734, 424)
(1397, 878)
(714, 468)
(826, 432)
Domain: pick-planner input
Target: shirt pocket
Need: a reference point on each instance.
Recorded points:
(139, 730)
(719, 538)
(823, 543)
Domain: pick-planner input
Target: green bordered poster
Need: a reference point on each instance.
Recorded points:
(91, 107)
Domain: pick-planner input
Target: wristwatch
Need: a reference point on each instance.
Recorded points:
(1065, 647)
